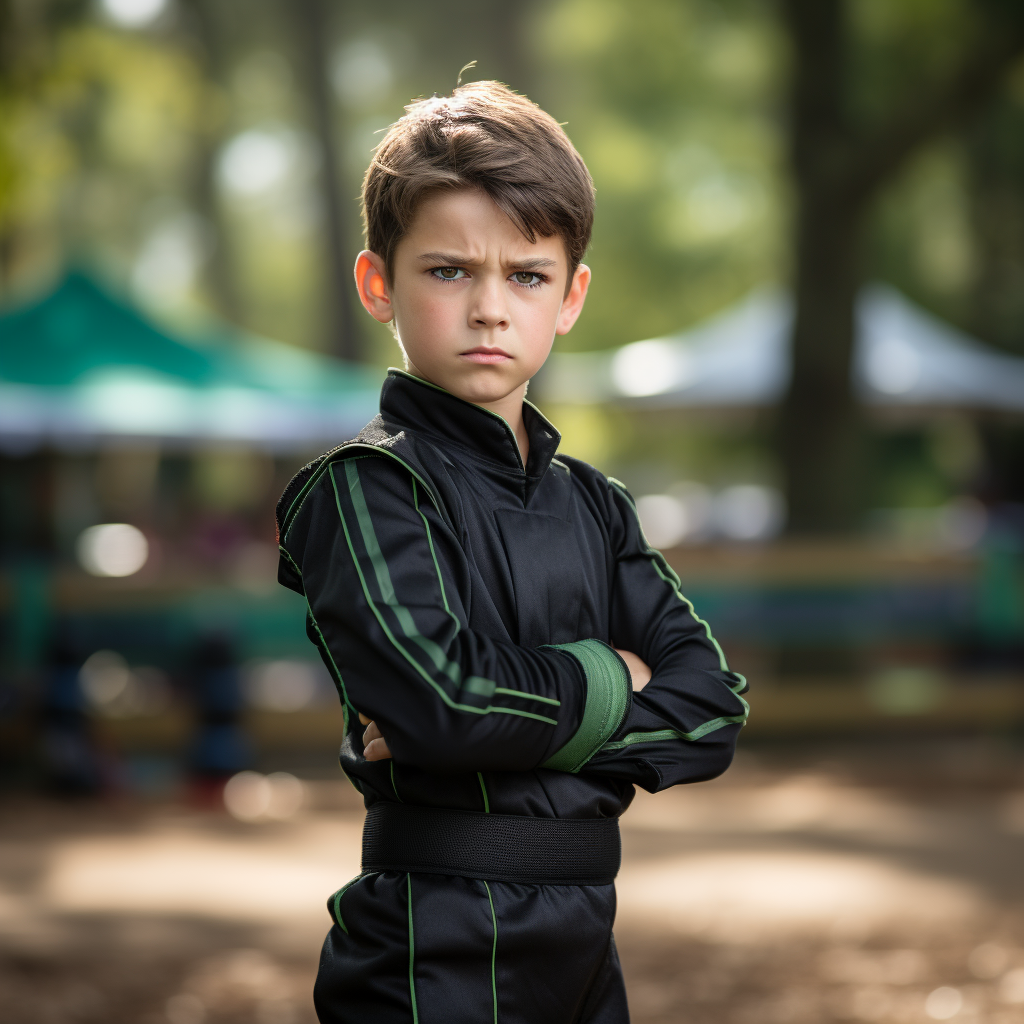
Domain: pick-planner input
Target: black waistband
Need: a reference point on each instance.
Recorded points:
(497, 847)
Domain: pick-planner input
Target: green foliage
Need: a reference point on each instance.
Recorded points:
(674, 108)
(92, 134)
(110, 142)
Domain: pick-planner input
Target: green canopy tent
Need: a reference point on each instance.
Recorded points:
(81, 365)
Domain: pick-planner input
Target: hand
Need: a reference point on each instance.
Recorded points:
(375, 747)
(639, 673)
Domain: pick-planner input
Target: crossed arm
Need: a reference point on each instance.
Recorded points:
(384, 598)
(375, 746)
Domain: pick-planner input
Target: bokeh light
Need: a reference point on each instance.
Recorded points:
(134, 13)
(944, 1003)
(112, 549)
(361, 72)
(648, 368)
(283, 685)
(104, 677)
(663, 519)
(690, 513)
(115, 690)
(251, 797)
(749, 512)
(256, 161)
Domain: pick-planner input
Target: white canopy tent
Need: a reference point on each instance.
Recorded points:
(904, 356)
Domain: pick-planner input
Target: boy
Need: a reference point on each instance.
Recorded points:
(484, 606)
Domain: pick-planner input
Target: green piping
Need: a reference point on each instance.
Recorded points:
(393, 786)
(336, 900)
(483, 789)
(401, 649)
(344, 454)
(668, 574)
(433, 555)
(607, 700)
(287, 554)
(412, 954)
(380, 619)
(674, 734)
(338, 680)
(527, 696)
(494, 952)
(384, 584)
(490, 412)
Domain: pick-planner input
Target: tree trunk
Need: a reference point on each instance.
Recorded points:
(220, 277)
(996, 182)
(312, 28)
(821, 425)
(822, 429)
(838, 168)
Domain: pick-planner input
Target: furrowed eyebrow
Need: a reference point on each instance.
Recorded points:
(538, 263)
(446, 259)
(451, 259)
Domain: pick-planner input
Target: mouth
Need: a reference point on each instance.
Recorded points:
(485, 356)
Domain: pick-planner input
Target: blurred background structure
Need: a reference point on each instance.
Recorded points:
(803, 352)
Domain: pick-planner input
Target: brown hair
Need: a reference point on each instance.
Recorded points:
(483, 136)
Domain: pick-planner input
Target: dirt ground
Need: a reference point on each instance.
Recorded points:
(859, 883)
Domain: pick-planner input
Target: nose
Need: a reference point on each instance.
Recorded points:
(489, 310)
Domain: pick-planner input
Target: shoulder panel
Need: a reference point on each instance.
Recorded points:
(375, 439)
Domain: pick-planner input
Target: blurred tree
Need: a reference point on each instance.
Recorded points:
(8, 55)
(675, 108)
(844, 148)
(202, 21)
(312, 27)
(995, 154)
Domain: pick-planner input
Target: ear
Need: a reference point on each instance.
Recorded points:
(572, 304)
(372, 285)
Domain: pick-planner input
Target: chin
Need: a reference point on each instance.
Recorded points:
(482, 385)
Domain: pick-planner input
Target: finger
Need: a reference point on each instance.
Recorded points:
(363, 720)
(371, 733)
(376, 750)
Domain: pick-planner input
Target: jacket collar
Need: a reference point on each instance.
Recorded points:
(409, 401)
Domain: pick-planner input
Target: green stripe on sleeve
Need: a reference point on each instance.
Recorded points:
(387, 590)
(523, 695)
(668, 574)
(608, 688)
(451, 670)
(674, 734)
(339, 682)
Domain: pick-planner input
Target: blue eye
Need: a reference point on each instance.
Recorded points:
(448, 273)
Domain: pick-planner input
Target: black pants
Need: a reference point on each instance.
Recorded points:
(437, 949)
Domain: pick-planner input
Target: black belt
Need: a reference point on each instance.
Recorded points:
(498, 847)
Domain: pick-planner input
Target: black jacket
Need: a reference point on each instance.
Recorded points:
(467, 605)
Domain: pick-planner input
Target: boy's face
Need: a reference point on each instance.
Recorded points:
(476, 305)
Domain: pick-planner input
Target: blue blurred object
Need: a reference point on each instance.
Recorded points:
(219, 747)
(70, 758)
